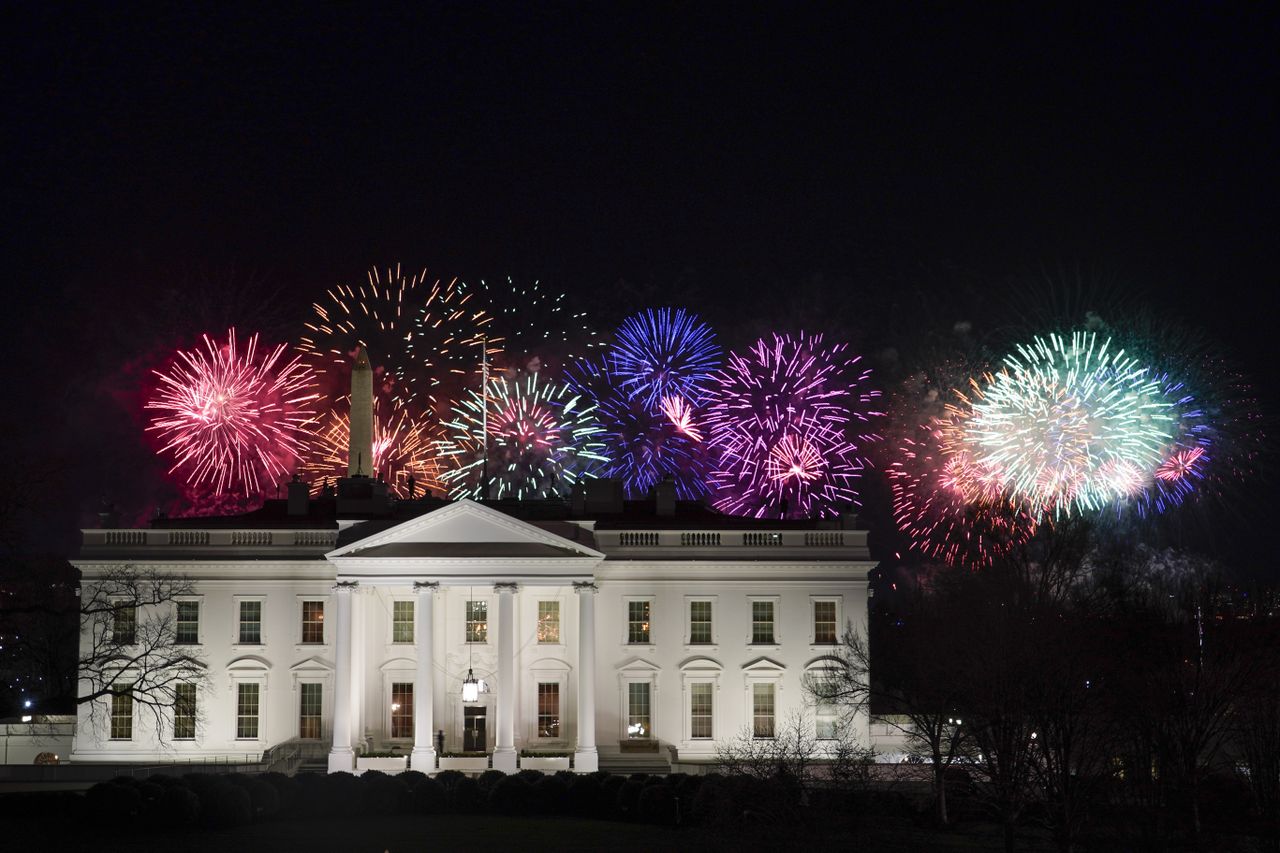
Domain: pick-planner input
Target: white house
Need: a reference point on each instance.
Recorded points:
(597, 627)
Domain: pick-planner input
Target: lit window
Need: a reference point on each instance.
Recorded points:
(247, 711)
(762, 710)
(700, 710)
(638, 710)
(824, 622)
(124, 623)
(762, 622)
(637, 621)
(826, 716)
(187, 629)
(549, 709)
(251, 622)
(699, 622)
(184, 712)
(402, 622)
(402, 709)
(548, 621)
(477, 621)
(312, 695)
(122, 717)
(313, 622)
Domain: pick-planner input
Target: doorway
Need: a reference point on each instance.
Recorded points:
(473, 728)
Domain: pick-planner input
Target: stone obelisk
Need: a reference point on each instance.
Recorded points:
(360, 441)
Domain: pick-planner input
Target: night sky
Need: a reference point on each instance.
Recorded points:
(873, 171)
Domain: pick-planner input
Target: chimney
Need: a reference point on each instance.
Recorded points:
(108, 518)
(578, 500)
(664, 497)
(360, 440)
(299, 496)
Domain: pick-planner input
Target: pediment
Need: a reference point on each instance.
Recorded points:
(463, 529)
(763, 666)
(315, 663)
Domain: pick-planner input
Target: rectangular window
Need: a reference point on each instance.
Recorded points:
(637, 621)
(700, 710)
(121, 717)
(402, 709)
(699, 622)
(184, 712)
(638, 710)
(762, 710)
(824, 622)
(826, 718)
(312, 695)
(548, 622)
(402, 621)
(762, 622)
(124, 623)
(187, 629)
(313, 621)
(251, 622)
(549, 710)
(477, 621)
(247, 711)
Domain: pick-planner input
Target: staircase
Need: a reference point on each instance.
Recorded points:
(631, 760)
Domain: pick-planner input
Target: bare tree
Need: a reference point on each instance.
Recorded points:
(129, 645)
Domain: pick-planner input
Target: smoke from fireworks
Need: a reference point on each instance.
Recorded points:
(542, 437)
(663, 353)
(785, 420)
(233, 420)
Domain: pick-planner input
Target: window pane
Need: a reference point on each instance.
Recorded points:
(477, 621)
(700, 710)
(184, 712)
(824, 622)
(548, 621)
(762, 710)
(700, 622)
(637, 621)
(402, 622)
(402, 709)
(121, 717)
(762, 622)
(247, 711)
(251, 622)
(313, 621)
(187, 629)
(309, 713)
(549, 710)
(638, 710)
(124, 626)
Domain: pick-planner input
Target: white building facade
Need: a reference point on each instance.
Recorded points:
(601, 637)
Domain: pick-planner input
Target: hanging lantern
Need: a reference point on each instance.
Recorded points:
(470, 687)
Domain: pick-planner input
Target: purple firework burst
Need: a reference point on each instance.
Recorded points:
(786, 423)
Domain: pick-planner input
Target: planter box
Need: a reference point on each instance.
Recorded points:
(547, 764)
(386, 765)
(466, 765)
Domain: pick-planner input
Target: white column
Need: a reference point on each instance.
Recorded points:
(504, 751)
(424, 752)
(585, 757)
(341, 756)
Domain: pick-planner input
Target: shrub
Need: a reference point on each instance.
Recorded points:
(263, 798)
(531, 776)
(342, 794)
(177, 808)
(565, 776)
(511, 796)
(489, 778)
(713, 803)
(429, 797)
(412, 778)
(150, 792)
(629, 798)
(287, 790)
(658, 805)
(467, 796)
(114, 802)
(223, 804)
(312, 792)
(449, 778)
(383, 794)
(610, 789)
(550, 796)
(584, 798)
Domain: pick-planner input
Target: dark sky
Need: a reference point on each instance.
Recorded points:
(720, 154)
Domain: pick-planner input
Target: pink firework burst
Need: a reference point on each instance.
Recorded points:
(233, 420)
(680, 414)
(1180, 465)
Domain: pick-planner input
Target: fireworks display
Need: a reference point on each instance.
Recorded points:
(541, 438)
(664, 353)
(537, 328)
(785, 419)
(233, 420)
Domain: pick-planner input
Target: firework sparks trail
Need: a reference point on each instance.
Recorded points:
(235, 421)
(680, 413)
(665, 352)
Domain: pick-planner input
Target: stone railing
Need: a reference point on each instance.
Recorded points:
(184, 538)
(731, 539)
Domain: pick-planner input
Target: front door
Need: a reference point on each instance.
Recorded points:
(473, 739)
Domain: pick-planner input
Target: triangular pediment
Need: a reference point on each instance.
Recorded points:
(464, 529)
